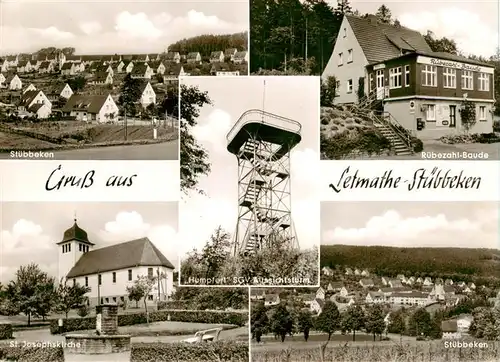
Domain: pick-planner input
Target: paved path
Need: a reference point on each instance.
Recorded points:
(156, 151)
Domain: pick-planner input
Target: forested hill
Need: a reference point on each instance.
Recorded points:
(205, 44)
(454, 263)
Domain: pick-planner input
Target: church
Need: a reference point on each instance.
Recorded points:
(108, 271)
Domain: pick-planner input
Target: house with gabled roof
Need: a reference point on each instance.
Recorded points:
(14, 82)
(375, 298)
(109, 270)
(334, 286)
(365, 273)
(67, 69)
(30, 87)
(173, 72)
(357, 271)
(153, 57)
(317, 305)
(240, 57)
(450, 330)
(4, 65)
(217, 57)
(395, 283)
(230, 53)
(91, 108)
(366, 283)
(36, 103)
(427, 281)
(62, 90)
(148, 95)
(326, 270)
(2, 80)
(142, 70)
(172, 57)
(348, 271)
(271, 300)
(448, 281)
(193, 58)
(223, 69)
(24, 66)
(344, 292)
(320, 293)
(12, 60)
(157, 66)
(46, 67)
(101, 78)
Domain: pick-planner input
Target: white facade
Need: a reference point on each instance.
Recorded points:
(109, 107)
(40, 98)
(347, 63)
(31, 87)
(2, 80)
(69, 253)
(148, 96)
(66, 92)
(114, 284)
(16, 83)
(43, 112)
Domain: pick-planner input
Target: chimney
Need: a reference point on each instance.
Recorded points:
(373, 19)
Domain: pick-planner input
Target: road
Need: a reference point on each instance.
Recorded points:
(157, 151)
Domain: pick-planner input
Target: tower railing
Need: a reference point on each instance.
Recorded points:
(270, 119)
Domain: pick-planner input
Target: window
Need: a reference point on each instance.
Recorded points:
(345, 32)
(114, 277)
(340, 59)
(407, 75)
(482, 113)
(150, 273)
(370, 83)
(86, 281)
(114, 299)
(349, 56)
(150, 297)
(99, 279)
(429, 76)
(107, 300)
(484, 82)
(337, 87)
(349, 86)
(449, 78)
(122, 299)
(74, 281)
(395, 77)
(130, 274)
(69, 247)
(79, 247)
(430, 114)
(467, 79)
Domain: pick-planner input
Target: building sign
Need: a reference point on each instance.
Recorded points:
(379, 66)
(453, 64)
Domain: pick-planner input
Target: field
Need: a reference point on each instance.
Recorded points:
(68, 135)
(341, 348)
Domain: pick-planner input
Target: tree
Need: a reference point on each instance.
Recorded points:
(143, 286)
(328, 91)
(281, 322)
(375, 323)
(259, 321)
(343, 8)
(441, 45)
(77, 84)
(420, 323)
(194, 158)
(135, 293)
(384, 14)
(467, 114)
(129, 95)
(397, 323)
(216, 251)
(70, 296)
(305, 323)
(29, 293)
(354, 319)
(329, 319)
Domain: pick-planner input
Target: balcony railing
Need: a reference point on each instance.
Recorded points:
(262, 117)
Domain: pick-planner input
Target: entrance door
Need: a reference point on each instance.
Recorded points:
(453, 116)
(380, 84)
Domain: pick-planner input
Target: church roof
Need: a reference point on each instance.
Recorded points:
(75, 233)
(139, 252)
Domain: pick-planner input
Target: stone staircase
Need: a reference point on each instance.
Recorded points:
(400, 147)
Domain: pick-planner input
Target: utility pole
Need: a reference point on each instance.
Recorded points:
(125, 121)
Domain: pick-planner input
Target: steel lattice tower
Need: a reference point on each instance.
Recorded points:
(262, 143)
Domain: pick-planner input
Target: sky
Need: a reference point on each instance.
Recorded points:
(30, 231)
(113, 26)
(411, 224)
(472, 24)
(292, 97)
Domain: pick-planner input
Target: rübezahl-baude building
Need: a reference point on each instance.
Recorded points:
(419, 89)
(108, 271)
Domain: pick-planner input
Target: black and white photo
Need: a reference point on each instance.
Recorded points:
(249, 213)
(104, 286)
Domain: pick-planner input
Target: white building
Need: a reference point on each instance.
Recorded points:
(110, 270)
(91, 108)
(148, 95)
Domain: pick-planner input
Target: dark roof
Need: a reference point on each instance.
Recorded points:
(230, 51)
(23, 63)
(88, 103)
(380, 42)
(225, 67)
(174, 69)
(28, 97)
(140, 68)
(101, 76)
(75, 233)
(73, 57)
(216, 54)
(143, 85)
(35, 107)
(193, 55)
(67, 66)
(44, 64)
(139, 252)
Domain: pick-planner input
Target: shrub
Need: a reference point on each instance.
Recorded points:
(5, 331)
(29, 354)
(209, 317)
(215, 351)
(83, 311)
(417, 144)
(496, 126)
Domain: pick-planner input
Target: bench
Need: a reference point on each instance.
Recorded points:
(208, 335)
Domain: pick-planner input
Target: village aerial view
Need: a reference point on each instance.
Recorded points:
(55, 99)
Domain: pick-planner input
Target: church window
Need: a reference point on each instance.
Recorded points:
(130, 274)
(74, 281)
(86, 281)
(79, 247)
(99, 279)
(69, 247)
(150, 273)
(114, 277)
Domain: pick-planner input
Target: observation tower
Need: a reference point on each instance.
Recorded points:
(262, 143)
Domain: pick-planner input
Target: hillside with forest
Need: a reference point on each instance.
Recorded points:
(205, 44)
(479, 265)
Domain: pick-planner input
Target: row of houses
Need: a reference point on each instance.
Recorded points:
(78, 63)
(99, 108)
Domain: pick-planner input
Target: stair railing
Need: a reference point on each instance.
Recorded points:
(387, 119)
